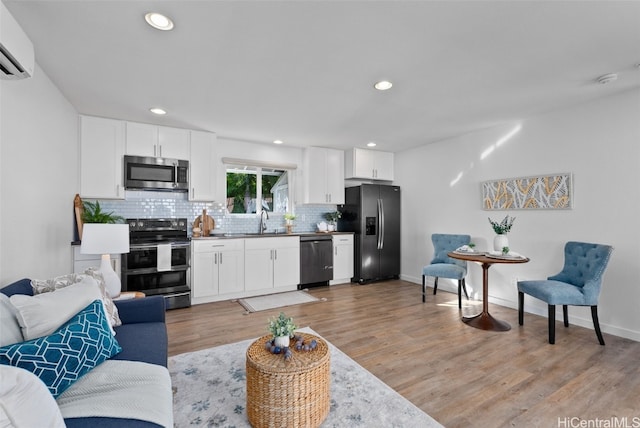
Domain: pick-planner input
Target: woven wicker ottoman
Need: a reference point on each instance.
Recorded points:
(292, 393)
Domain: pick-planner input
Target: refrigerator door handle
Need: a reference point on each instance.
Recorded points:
(379, 231)
(382, 222)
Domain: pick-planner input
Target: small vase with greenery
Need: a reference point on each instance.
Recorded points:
(289, 217)
(504, 226)
(288, 220)
(333, 217)
(282, 328)
(92, 213)
(500, 241)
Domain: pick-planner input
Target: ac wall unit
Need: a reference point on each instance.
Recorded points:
(16, 50)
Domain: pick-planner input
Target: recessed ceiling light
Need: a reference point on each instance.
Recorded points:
(159, 21)
(157, 110)
(371, 144)
(383, 85)
(277, 141)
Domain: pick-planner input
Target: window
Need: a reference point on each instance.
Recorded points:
(251, 187)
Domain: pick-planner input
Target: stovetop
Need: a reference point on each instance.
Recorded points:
(157, 230)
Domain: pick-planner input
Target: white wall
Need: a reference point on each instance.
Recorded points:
(599, 143)
(38, 179)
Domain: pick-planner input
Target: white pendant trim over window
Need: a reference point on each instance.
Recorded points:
(262, 164)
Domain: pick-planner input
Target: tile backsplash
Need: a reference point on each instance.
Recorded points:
(147, 204)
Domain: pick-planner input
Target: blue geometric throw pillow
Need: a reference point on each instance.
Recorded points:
(68, 353)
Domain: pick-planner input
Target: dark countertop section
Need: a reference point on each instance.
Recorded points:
(254, 235)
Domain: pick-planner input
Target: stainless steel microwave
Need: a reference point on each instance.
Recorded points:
(149, 173)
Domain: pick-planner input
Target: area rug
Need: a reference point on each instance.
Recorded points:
(278, 300)
(210, 391)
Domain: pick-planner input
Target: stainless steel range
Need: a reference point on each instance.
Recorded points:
(158, 261)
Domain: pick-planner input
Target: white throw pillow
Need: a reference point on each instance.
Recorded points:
(112, 310)
(43, 314)
(25, 401)
(48, 285)
(10, 331)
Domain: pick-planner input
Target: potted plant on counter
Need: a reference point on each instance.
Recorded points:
(332, 218)
(92, 213)
(288, 219)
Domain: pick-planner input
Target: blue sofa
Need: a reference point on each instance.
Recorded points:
(142, 336)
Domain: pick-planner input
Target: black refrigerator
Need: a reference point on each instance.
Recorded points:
(372, 212)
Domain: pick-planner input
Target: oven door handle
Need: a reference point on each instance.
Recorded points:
(168, 296)
(141, 247)
(154, 246)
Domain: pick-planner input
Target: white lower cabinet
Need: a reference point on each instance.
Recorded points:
(342, 258)
(223, 269)
(272, 263)
(217, 269)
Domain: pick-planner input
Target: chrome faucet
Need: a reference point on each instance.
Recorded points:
(263, 223)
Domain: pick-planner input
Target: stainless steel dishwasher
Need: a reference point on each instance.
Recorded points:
(316, 260)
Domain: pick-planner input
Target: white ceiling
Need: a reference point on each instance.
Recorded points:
(303, 71)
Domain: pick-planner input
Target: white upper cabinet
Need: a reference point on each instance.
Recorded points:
(368, 164)
(202, 170)
(142, 139)
(102, 144)
(173, 142)
(157, 141)
(323, 176)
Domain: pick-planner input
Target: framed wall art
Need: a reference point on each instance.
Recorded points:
(543, 192)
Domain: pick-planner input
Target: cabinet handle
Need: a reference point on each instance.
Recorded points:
(155, 155)
(275, 254)
(220, 258)
(160, 145)
(215, 259)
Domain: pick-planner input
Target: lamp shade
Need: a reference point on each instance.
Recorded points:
(99, 238)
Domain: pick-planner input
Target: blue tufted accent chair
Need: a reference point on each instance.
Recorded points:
(578, 284)
(443, 266)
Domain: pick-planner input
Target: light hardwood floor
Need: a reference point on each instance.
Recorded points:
(461, 376)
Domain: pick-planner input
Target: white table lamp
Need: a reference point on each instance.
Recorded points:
(106, 239)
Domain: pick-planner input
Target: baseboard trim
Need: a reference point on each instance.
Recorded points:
(540, 310)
